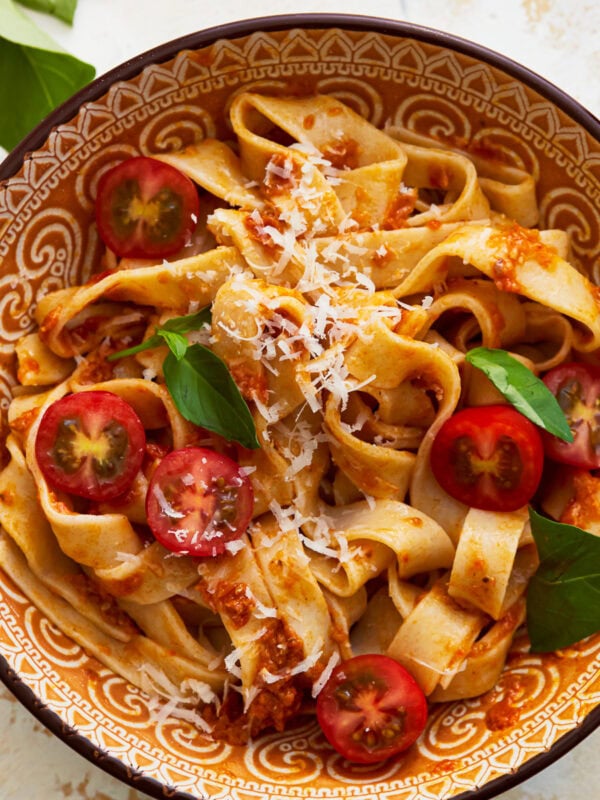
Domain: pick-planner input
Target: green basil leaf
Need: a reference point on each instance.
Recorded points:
(177, 342)
(63, 9)
(176, 325)
(563, 597)
(206, 394)
(522, 388)
(36, 74)
(191, 322)
(148, 344)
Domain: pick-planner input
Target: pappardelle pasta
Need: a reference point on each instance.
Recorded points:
(344, 272)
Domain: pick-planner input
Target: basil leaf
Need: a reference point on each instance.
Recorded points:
(522, 388)
(206, 394)
(176, 325)
(36, 74)
(63, 9)
(148, 344)
(190, 322)
(177, 342)
(563, 597)
(198, 380)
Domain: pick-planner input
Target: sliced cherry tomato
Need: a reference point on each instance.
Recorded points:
(198, 501)
(90, 444)
(577, 390)
(145, 208)
(371, 708)
(489, 457)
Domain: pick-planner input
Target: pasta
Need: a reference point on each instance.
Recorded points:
(348, 270)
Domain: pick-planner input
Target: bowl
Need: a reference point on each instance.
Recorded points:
(427, 82)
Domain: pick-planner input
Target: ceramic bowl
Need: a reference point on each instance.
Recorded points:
(168, 98)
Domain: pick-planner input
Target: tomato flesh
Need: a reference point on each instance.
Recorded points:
(489, 457)
(577, 389)
(90, 444)
(371, 708)
(198, 501)
(145, 208)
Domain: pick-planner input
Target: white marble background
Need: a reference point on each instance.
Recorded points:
(558, 39)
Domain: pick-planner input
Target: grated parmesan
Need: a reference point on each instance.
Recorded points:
(334, 660)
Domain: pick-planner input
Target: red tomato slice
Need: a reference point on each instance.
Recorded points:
(90, 444)
(198, 501)
(489, 457)
(577, 390)
(146, 209)
(371, 708)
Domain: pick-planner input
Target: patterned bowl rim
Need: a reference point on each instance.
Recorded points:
(204, 38)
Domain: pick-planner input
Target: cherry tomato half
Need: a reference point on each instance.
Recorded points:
(198, 501)
(489, 457)
(577, 390)
(146, 209)
(371, 708)
(90, 444)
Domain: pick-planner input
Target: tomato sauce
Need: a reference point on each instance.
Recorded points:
(275, 703)
(439, 177)
(281, 176)
(250, 382)
(343, 153)
(234, 600)
(483, 148)
(24, 421)
(104, 602)
(95, 370)
(516, 245)
(382, 257)
(7, 497)
(583, 510)
(49, 322)
(256, 228)
(399, 210)
(444, 766)
(27, 366)
(506, 712)
(122, 587)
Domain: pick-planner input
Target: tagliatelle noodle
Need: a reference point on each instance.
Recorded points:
(377, 624)
(349, 269)
(131, 659)
(173, 286)
(435, 637)
(482, 667)
(373, 533)
(284, 563)
(484, 558)
(243, 312)
(522, 261)
(509, 190)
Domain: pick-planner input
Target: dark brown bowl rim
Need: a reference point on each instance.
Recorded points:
(127, 70)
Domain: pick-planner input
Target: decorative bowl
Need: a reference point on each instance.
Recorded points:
(170, 97)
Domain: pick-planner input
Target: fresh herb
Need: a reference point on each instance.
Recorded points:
(63, 9)
(206, 394)
(36, 74)
(198, 380)
(170, 333)
(527, 393)
(563, 597)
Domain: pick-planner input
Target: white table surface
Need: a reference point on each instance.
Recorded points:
(558, 39)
